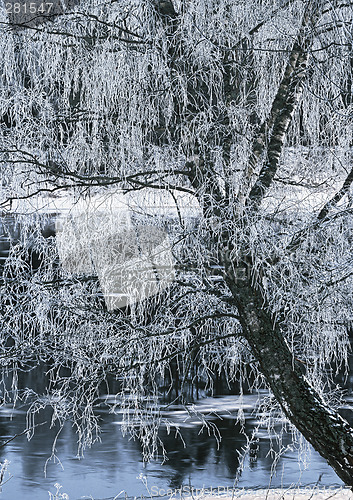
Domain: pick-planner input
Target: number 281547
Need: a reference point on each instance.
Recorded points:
(28, 8)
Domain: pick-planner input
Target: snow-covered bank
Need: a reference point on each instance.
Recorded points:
(276, 494)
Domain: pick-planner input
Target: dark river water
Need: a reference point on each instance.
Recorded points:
(114, 468)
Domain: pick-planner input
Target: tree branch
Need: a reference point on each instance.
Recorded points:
(283, 108)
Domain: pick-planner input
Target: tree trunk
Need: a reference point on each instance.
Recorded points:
(325, 429)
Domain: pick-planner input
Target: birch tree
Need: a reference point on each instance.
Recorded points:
(245, 107)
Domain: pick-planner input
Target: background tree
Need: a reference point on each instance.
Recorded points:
(247, 107)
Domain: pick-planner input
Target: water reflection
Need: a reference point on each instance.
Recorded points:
(114, 464)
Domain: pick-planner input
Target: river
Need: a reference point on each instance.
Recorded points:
(114, 467)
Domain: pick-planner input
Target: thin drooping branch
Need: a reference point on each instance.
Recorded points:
(199, 167)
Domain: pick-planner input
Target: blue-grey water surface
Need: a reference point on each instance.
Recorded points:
(115, 464)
